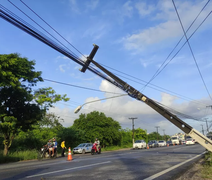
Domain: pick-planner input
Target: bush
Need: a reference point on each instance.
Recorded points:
(18, 156)
(208, 158)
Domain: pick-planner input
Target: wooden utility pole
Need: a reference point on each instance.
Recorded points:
(202, 129)
(133, 127)
(157, 131)
(164, 134)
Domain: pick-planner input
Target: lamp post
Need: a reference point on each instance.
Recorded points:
(80, 107)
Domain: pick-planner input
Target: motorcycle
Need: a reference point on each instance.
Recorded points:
(44, 153)
(94, 150)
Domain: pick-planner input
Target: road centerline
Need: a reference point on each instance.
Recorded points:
(79, 167)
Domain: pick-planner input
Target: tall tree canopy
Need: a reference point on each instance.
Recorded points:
(97, 125)
(20, 106)
(14, 70)
(140, 134)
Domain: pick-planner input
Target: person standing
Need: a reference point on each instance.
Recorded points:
(63, 148)
(54, 146)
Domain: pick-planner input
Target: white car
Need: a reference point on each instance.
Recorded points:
(139, 144)
(83, 148)
(161, 143)
(190, 141)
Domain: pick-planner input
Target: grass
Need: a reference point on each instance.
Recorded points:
(113, 148)
(18, 156)
(206, 172)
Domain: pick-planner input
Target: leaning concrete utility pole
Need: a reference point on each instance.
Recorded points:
(110, 77)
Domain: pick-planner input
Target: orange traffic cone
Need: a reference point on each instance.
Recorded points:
(147, 146)
(167, 145)
(69, 155)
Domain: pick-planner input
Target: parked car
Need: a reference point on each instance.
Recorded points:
(83, 148)
(189, 137)
(190, 141)
(169, 143)
(139, 144)
(153, 143)
(183, 141)
(161, 143)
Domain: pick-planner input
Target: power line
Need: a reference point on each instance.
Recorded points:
(43, 29)
(179, 113)
(191, 50)
(162, 68)
(47, 24)
(68, 41)
(79, 86)
(49, 42)
(52, 28)
(177, 43)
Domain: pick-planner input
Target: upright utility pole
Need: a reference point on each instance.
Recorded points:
(157, 131)
(133, 127)
(206, 119)
(208, 128)
(164, 134)
(202, 129)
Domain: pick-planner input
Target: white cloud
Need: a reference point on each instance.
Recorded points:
(122, 108)
(152, 35)
(61, 67)
(74, 7)
(66, 114)
(167, 99)
(96, 31)
(168, 26)
(127, 9)
(92, 5)
(62, 57)
(144, 9)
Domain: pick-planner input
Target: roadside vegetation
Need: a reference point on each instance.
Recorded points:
(26, 123)
(206, 171)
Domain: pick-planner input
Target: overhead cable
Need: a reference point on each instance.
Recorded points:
(192, 51)
(79, 86)
(160, 69)
(53, 28)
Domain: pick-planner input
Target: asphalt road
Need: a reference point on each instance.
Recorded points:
(155, 163)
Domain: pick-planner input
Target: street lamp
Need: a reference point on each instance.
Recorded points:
(80, 107)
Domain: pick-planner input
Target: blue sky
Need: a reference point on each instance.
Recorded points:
(134, 37)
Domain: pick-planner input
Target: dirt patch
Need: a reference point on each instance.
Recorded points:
(195, 172)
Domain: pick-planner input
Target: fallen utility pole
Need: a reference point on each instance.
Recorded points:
(200, 138)
(110, 77)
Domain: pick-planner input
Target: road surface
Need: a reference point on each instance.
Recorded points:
(154, 163)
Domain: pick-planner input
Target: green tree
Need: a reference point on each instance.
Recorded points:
(126, 137)
(71, 136)
(154, 136)
(20, 107)
(15, 70)
(51, 120)
(140, 134)
(97, 125)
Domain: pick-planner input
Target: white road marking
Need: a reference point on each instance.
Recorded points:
(68, 169)
(171, 168)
